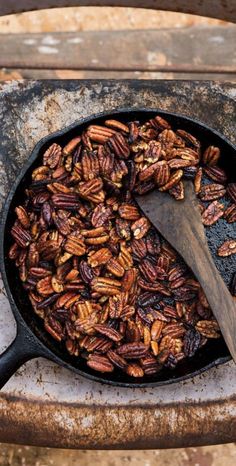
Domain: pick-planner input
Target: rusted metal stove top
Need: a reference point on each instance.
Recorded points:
(44, 404)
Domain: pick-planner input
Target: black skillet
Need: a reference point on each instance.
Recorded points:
(32, 340)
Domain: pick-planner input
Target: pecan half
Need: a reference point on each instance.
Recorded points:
(100, 134)
(216, 174)
(75, 245)
(100, 363)
(99, 257)
(134, 350)
(134, 370)
(108, 332)
(230, 213)
(140, 227)
(212, 213)
(52, 156)
(211, 156)
(105, 286)
(231, 191)
(227, 248)
(208, 328)
(173, 180)
(210, 192)
(162, 173)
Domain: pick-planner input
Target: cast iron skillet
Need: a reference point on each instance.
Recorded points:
(32, 340)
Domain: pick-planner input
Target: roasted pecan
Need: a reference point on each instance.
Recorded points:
(192, 340)
(116, 359)
(134, 350)
(86, 272)
(187, 154)
(208, 328)
(105, 286)
(108, 332)
(177, 191)
(134, 370)
(174, 179)
(156, 286)
(153, 243)
(189, 138)
(14, 251)
(231, 191)
(210, 192)
(123, 229)
(144, 186)
(86, 188)
(128, 212)
(148, 172)
(20, 235)
(140, 227)
(99, 363)
(71, 146)
(227, 248)
(66, 201)
(198, 181)
(216, 174)
(179, 163)
(212, 213)
(75, 245)
(139, 248)
(99, 257)
(129, 279)
(119, 146)
(156, 330)
(149, 363)
(160, 123)
(175, 330)
(44, 286)
(100, 216)
(114, 267)
(148, 270)
(117, 125)
(230, 213)
(162, 173)
(211, 156)
(125, 257)
(22, 217)
(89, 165)
(52, 156)
(100, 134)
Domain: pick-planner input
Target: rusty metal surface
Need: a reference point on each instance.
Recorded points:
(222, 9)
(44, 404)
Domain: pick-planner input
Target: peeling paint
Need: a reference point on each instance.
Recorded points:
(50, 40)
(47, 50)
(29, 41)
(75, 40)
(216, 39)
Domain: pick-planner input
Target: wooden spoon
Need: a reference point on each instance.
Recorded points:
(180, 223)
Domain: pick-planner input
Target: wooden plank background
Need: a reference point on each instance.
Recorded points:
(196, 52)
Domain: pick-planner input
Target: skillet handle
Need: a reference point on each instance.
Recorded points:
(22, 349)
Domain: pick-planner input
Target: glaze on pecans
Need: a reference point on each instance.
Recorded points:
(103, 280)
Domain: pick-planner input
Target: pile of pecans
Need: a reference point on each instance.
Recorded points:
(96, 271)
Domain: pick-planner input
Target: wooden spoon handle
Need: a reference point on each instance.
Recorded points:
(196, 254)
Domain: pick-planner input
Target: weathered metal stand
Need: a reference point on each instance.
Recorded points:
(44, 404)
